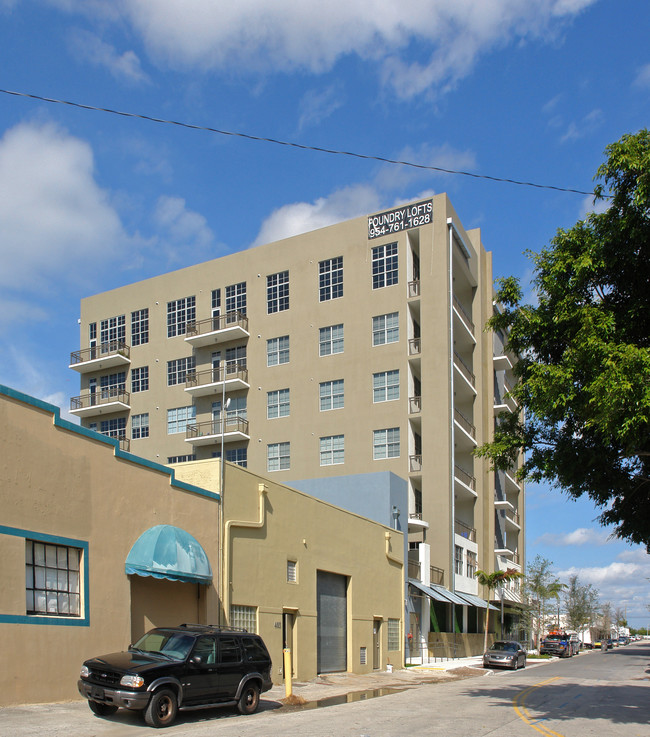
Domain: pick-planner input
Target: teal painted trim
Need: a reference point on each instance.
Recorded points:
(55, 540)
(96, 436)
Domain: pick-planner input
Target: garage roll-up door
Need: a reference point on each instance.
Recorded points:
(332, 622)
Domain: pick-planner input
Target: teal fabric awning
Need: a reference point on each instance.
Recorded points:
(169, 552)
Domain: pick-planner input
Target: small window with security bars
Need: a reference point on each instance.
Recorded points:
(292, 571)
(53, 584)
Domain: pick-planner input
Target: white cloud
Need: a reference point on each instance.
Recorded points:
(584, 127)
(56, 222)
(184, 235)
(90, 48)
(316, 105)
(642, 78)
(290, 35)
(443, 157)
(581, 536)
(301, 217)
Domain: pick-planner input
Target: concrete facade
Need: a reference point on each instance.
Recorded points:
(67, 491)
(345, 352)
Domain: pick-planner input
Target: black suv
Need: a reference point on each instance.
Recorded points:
(192, 666)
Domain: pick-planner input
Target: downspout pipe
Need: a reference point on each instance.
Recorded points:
(230, 524)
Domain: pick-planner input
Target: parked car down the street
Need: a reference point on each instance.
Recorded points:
(505, 654)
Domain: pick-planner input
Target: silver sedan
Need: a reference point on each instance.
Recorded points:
(505, 654)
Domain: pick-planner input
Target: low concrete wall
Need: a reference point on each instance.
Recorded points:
(458, 645)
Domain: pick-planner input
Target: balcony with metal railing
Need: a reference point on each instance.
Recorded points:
(465, 371)
(464, 316)
(210, 381)
(466, 426)
(464, 530)
(415, 347)
(415, 464)
(104, 401)
(217, 329)
(414, 288)
(98, 357)
(415, 405)
(209, 433)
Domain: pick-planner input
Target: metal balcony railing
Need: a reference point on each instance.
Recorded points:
(216, 375)
(217, 428)
(106, 395)
(414, 288)
(415, 463)
(437, 575)
(415, 405)
(414, 347)
(216, 323)
(460, 418)
(460, 528)
(465, 477)
(465, 313)
(464, 369)
(103, 350)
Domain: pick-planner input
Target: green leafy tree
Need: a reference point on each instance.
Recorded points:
(541, 588)
(584, 352)
(493, 581)
(580, 604)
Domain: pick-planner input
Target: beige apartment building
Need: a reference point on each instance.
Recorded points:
(350, 362)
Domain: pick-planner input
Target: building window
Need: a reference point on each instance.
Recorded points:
(330, 340)
(385, 329)
(181, 459)
(277, 292)
(179, 418)
(92, 333)
(472, 564)
(235, 359)
(178, 369)
(331, 395)
(114, 428)
(330, 279)
(332, 450)
(277, 404)
(384, 266)
(112, 329)
(140, 426)
(278, 456)
(179, 313)
(458, 560)
(216, 302)
(111, 385)
(236, 409)
(385, 386)
(140, 379)
(292, 571)
(385, 443)
(277, 351)
(238, 456)
(393, 635)
(53, 579)
(236, 298)
(243, 618)
(140, 327)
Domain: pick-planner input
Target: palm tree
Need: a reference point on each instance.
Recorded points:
(493, 581)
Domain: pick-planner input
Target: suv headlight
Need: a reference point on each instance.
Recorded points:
(85, 671)
(132, 681)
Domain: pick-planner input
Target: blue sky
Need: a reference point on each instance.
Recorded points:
(531, 90)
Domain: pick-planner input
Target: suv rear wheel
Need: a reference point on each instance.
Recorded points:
(162, 709)
(249, 699)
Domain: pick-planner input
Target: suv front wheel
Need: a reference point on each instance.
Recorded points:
(249, 699)
(162, 709)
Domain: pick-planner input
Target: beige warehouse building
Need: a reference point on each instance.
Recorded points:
(349, 362)
(80, 577)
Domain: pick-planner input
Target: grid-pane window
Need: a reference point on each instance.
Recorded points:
(112, 384)
(52, 579)
(277, 350)
(385, 386)
(113, 328)
(140, 426)
(140, 379)
(179, 418)
(385, 329)
(243, 617)
(140, 327)
(330, 279)
(277, 292)
(179, 313)
(458, 560)
(385, 443)
(216, 302)
(393, 634)
(181, 459)
(292, 571)
(472, 564)
(332, 450)
(235, 358)
(114, 428)
(178, 369)
(92, 332)
(236, 298)
(278, 456)
(384, 265)
(331, 395)
(277, 404)
(330, 340)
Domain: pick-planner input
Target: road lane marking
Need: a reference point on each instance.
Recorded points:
(521, 710)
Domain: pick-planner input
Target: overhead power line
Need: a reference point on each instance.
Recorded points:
(293, 144)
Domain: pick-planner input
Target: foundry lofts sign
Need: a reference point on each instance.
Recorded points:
(402, 218)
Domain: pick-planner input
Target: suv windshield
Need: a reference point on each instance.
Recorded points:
(174, 645)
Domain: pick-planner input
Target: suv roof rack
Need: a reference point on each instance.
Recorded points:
(187, 625)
